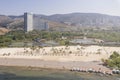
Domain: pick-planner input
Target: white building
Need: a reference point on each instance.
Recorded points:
(28, 22)
(32, 22)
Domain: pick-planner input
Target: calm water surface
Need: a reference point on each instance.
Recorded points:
(25, 73)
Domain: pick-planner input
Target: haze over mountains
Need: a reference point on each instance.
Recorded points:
(72, 21)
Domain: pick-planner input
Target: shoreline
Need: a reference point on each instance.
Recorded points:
(53, 64)
(60, 57)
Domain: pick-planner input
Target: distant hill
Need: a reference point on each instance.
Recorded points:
(4, 20)
(11, 22)
(86, 19)
(63, 22)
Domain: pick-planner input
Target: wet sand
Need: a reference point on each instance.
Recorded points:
(52, 64)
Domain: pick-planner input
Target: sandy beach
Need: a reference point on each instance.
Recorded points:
(60, 57)
(61, 53)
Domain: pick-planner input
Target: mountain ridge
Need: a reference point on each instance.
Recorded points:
(71, 20)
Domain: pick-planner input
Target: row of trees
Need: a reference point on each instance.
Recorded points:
(105, 35)
(21, 36)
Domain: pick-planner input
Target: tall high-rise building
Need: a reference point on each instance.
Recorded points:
(34, 23)
(28, 22)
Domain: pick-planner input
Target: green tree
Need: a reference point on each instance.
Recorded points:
(114, 55)
(114, 60)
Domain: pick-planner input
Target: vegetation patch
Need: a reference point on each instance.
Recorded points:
(113, 61)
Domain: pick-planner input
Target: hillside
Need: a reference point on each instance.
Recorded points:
(86, 19)
(3, 31)
(63, 22)
(11, 23)
(4, 20)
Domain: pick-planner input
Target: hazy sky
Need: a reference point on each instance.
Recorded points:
(48, 7)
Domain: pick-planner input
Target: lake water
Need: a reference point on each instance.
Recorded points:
(25, 73)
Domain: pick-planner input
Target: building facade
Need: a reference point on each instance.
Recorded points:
(32, 22)
(28, 22)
